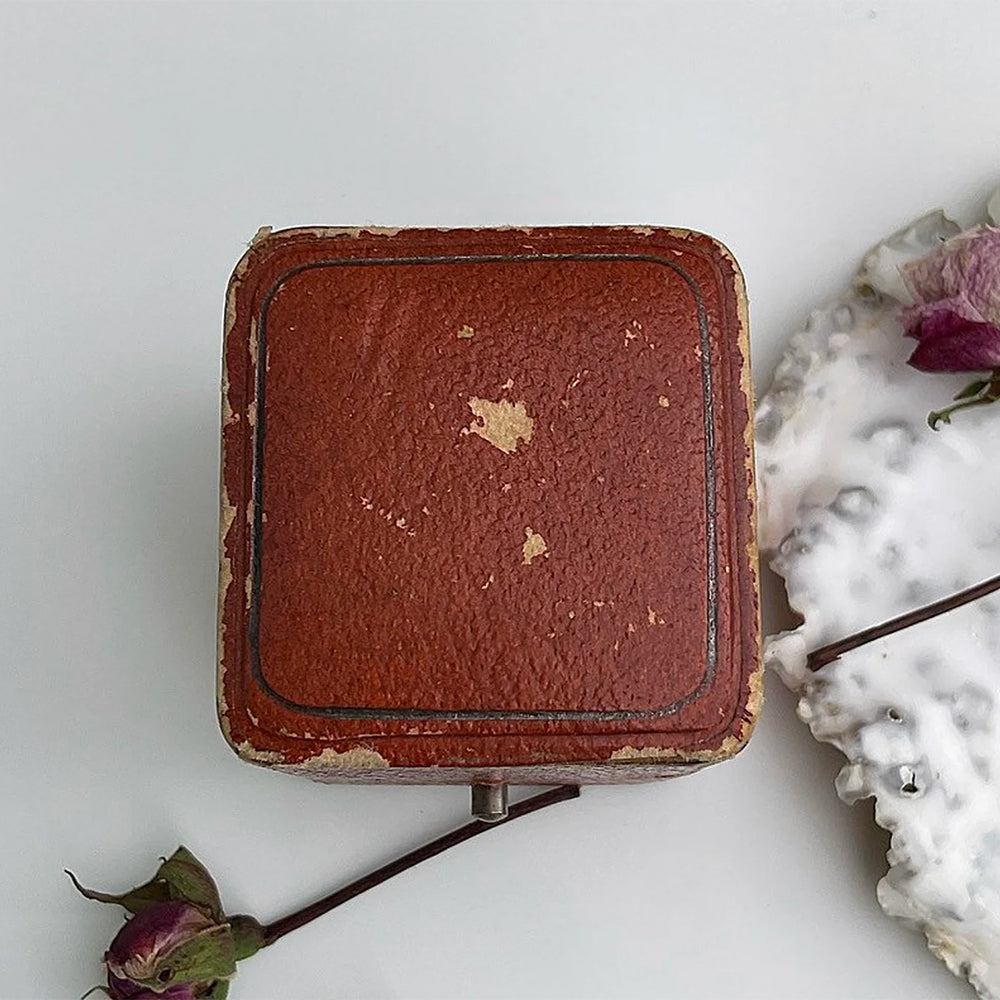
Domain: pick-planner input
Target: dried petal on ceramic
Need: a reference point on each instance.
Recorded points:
(867, 513)
(956, 311)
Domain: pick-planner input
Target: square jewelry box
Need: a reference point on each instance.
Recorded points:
(487, 506)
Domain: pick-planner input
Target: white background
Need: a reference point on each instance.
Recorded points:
(140, 148)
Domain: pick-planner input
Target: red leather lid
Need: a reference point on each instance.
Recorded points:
(488, 503)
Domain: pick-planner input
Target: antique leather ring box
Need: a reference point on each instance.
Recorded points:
(487, 506)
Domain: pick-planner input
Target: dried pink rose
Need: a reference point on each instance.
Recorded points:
(956, 314)
(178, 944)
(949, 343)
(170, 942)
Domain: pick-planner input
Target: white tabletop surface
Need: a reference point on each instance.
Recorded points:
(140, 148)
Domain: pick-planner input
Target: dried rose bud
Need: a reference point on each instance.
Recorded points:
(172, 943)
(178, 945)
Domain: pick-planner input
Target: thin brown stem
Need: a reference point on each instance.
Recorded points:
(827, 654)
(309, 913)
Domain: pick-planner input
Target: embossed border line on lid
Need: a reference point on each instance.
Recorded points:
(711, 554)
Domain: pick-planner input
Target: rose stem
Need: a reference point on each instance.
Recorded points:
(827, 654)
(990, 393)
(308, 913)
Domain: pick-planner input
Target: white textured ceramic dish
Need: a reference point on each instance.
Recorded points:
(867, 513)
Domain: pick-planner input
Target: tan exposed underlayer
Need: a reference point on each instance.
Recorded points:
(534, 546)
(355, 759)
(729, 747)
(755, 699)
(503, 423)
(251, 753)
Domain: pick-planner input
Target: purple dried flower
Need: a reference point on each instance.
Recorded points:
(956, 315)
(178, 945)
(145, 949)
(951, 343)
(956, 292)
